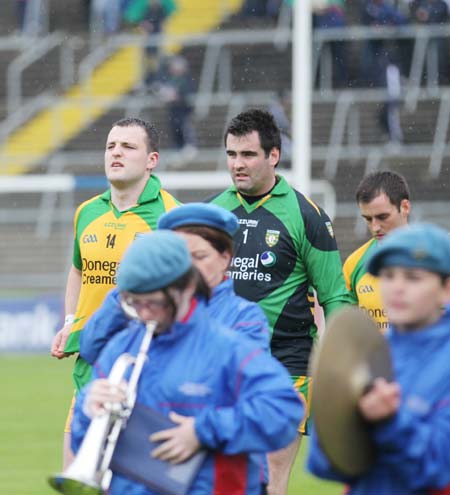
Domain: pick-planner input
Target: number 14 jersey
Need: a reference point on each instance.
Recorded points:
(101, 236)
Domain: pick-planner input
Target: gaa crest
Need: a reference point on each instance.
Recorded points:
(272, 237)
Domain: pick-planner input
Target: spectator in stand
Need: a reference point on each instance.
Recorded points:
(429, 11)
(21, 7)
(379, 53)
(151, 16)
(87, 10)
(105, 16)
(382, 62)
(330, 14)
(176, 89)
(261, 8)
(434, 12)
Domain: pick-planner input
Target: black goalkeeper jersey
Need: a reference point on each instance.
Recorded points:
(285, 246)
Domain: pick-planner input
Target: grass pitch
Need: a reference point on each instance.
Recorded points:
(35, 395)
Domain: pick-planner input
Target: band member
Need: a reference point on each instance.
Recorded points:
(409, 419)
(223, 392)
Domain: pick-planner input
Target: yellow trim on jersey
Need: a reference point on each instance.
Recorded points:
(352, 261)
(260, 202)
(78, 210)
(168, 200)
(363, 287)
(311, 202)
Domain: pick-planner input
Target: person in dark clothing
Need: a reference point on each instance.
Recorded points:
(330, 14)
(434, 12)
(382, 63)
(176, 89)
(379, 53)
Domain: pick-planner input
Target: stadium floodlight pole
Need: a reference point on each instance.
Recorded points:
(301, 95)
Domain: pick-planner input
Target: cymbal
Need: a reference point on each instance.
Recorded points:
(350, 355)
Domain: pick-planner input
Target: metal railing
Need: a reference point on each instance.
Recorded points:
(440, 135)
(420, 35)
(348, 107)
(36, 21)
(217, 65)
(346, 111)
(217, 57)
(19, 108)
(14, 73)
(110, 12)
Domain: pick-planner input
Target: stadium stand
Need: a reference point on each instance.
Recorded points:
(241, 63)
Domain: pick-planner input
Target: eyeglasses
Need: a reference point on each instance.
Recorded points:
(149, 304)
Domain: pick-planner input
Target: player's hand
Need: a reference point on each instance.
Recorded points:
(179, 443)
(104, 397)
(59, 342)
(381, 401)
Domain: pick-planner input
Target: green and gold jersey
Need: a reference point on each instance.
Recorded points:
(284, 246)
(101, 236)
(364, 287)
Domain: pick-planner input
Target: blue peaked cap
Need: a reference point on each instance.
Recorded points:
(422, 245)
(152, 262)
(205, 214)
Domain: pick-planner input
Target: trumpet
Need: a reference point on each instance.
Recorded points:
(90, 473)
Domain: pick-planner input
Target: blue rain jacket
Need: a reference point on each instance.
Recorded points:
(225, 306)
(414, 446)
(242, 399)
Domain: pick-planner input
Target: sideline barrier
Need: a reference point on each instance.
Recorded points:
(29, 323)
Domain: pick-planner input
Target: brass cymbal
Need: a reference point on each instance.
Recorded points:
(350, 355)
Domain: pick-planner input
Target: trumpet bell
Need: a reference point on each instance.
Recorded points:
(69, 486)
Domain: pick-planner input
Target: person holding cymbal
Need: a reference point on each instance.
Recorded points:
(408, 419)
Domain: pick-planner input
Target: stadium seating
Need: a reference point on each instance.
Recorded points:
(258, 70)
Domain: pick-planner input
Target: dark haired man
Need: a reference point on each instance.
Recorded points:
(284, 246)
(383, 199)
(104, 226)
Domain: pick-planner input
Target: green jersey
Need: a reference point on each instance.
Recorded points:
(284, 246)
(101, 236)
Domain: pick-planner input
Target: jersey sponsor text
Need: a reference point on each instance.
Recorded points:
(247, 268)
(106, 272)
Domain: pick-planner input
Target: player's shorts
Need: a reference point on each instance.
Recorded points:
(70, 415)
(302, 385)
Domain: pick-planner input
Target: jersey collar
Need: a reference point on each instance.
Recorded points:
(150, 192)
(280, 189)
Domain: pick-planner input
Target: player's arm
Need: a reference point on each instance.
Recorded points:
(108, 320)
(71, 300)
(347, 271)
(322, 261)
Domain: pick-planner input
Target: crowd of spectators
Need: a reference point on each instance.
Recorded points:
(383, 62)
(375, 63)
(110, 16)
(377, 54)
